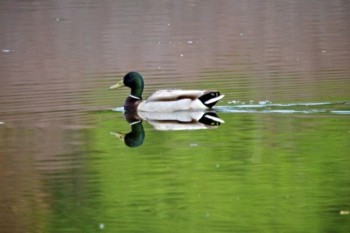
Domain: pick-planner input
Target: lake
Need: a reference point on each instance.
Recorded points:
(277, 161)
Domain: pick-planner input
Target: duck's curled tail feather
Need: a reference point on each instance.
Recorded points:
(211, 98)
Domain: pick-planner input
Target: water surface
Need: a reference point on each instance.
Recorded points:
(279, 163)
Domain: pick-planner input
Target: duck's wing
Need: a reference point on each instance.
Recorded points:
(180, 100)
(184, 104)
(172, 95)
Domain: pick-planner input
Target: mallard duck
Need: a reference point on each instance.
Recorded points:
(165, 100)
(181, 120)
(184, 120)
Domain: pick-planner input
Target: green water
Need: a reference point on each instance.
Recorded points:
(255, 173)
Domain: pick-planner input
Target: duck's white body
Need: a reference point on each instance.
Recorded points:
(175, 100)
(181, 120)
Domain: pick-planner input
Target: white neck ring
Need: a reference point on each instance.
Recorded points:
(134, 97)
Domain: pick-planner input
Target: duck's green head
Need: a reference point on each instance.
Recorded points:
(134, 138)
(133, 80)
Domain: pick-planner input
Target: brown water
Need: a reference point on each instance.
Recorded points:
(279, 163)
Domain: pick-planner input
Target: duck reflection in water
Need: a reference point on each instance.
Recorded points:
(166, 109)
(166, 122)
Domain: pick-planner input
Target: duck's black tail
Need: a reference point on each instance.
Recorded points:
(211, 98)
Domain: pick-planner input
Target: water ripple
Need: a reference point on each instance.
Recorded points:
(287, 108)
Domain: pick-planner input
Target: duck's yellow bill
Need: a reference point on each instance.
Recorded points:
(119, 84)
(121, 136)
